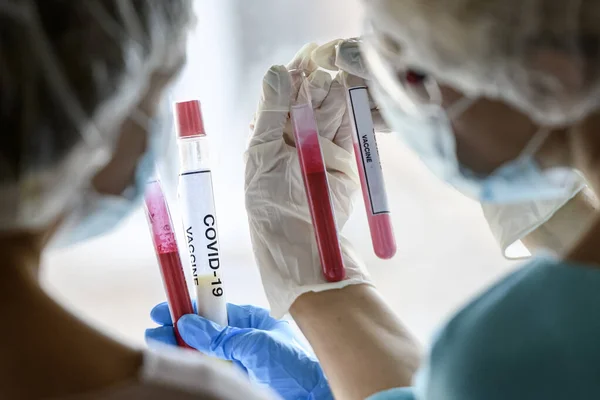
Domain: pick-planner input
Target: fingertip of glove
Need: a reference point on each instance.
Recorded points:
(161, 315)
(195, 330)
(277, 82)
(160, 335)
(150, 333)
(349, 58)
(352, 45)
(303, 59)
(325, 56)
(190, 322)
(277, 70)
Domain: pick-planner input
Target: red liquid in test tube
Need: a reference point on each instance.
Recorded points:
(317, 191)
(165, 245)
(370, 172)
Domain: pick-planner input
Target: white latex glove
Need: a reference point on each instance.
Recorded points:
(345, 55)
(280, 223)
(509, 223)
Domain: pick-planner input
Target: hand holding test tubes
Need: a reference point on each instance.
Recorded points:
(199, 226)
(344, 57)
(314, 175)
(279, 211)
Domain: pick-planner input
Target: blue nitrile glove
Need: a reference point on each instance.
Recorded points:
(263, 346)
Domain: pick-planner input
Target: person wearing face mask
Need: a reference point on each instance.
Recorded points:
(533, 224)
(82, 105)
(107, 202)
(499, 99)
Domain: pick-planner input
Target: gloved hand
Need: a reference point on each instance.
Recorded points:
(280, 224)
(266, 348)
(344, 55)
(509, 223)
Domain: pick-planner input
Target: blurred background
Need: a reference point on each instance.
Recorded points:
(445, 251)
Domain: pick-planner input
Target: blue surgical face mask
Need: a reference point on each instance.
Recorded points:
(431, 136)
(97, 213)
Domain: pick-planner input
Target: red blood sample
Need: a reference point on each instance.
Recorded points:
(317, 193)
(319, 201)
(169, 260)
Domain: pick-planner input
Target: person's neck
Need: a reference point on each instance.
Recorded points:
(46, 351)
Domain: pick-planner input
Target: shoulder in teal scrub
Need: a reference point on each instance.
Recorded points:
(394, 394)
(534, 335)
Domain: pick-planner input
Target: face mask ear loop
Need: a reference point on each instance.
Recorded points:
(433, 91)
(140, 118)
(459, 107)
(536, 143)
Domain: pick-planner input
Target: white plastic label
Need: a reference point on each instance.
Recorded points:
(365, 145)
(200, 224)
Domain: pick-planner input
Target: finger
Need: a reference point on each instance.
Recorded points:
(344, 55)
(302, 62)
(213, 339)
(343, 137)
(250, 317)
(319, 85)
(342, 162)
(162, 334)
(331, 113)
(200, 333)
(303, 59)
(334, 116)
(324, 56)
(250, 347)
(274, 107)
(349, 58)
(161, 314)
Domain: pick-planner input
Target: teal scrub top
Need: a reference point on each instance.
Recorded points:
(534, 335)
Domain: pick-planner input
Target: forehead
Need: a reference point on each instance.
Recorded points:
(432, 36)
(539, 56)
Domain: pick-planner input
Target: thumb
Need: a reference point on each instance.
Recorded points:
(303, 59)
(350, 59)
(342, 55)
(325, 55)
(224, 342)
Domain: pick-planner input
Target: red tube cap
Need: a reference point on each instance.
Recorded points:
(189, 119)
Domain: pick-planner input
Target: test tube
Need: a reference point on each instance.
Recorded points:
(167, 252)
(369, 168)
(198, 212)
(316, 184)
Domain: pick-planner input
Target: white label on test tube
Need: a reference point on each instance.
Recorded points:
(365, 144)
(202, 239)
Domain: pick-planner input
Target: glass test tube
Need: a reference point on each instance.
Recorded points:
(316, 184)
(165, 245)
(198, 212)
(369, 169)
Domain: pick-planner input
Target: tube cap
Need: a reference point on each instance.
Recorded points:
(189, 119)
